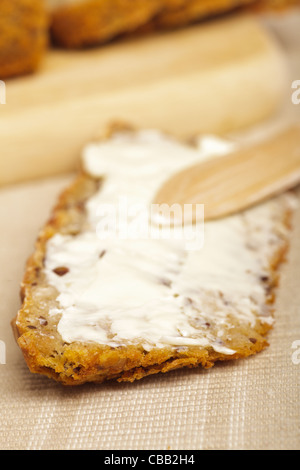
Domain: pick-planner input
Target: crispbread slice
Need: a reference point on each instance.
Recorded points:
(205, 323)
(23, 36)
(79, 23)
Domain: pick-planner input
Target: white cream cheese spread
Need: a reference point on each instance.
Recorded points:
(119, 291)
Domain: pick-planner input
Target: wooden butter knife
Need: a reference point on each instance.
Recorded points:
(239, 180)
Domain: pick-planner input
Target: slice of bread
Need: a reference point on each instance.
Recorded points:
(80, 23)
(184, 12)
(98, 307)
(188, 11)
(23, 36)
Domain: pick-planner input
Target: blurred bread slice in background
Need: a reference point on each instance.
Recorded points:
(178, 13)
(23, 36)
(79, 23)
(219, 76)
(27, 25)
(187, 82)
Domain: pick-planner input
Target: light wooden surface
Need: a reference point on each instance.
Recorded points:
(238, 180)
(216, 77)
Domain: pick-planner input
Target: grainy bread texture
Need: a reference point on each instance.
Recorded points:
(218, 317)
(23, 36)
(183, 12)
(26, 25)
(81, 23)
(87, 23)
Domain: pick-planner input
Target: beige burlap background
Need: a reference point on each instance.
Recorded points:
(248, 404)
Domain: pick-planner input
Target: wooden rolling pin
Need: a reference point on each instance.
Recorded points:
(217, 77)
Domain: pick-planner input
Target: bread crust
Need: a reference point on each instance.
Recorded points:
(23, 36)
(85, 23)
(46, 353)
(25, 24)
(184, 12)
(92, 22)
